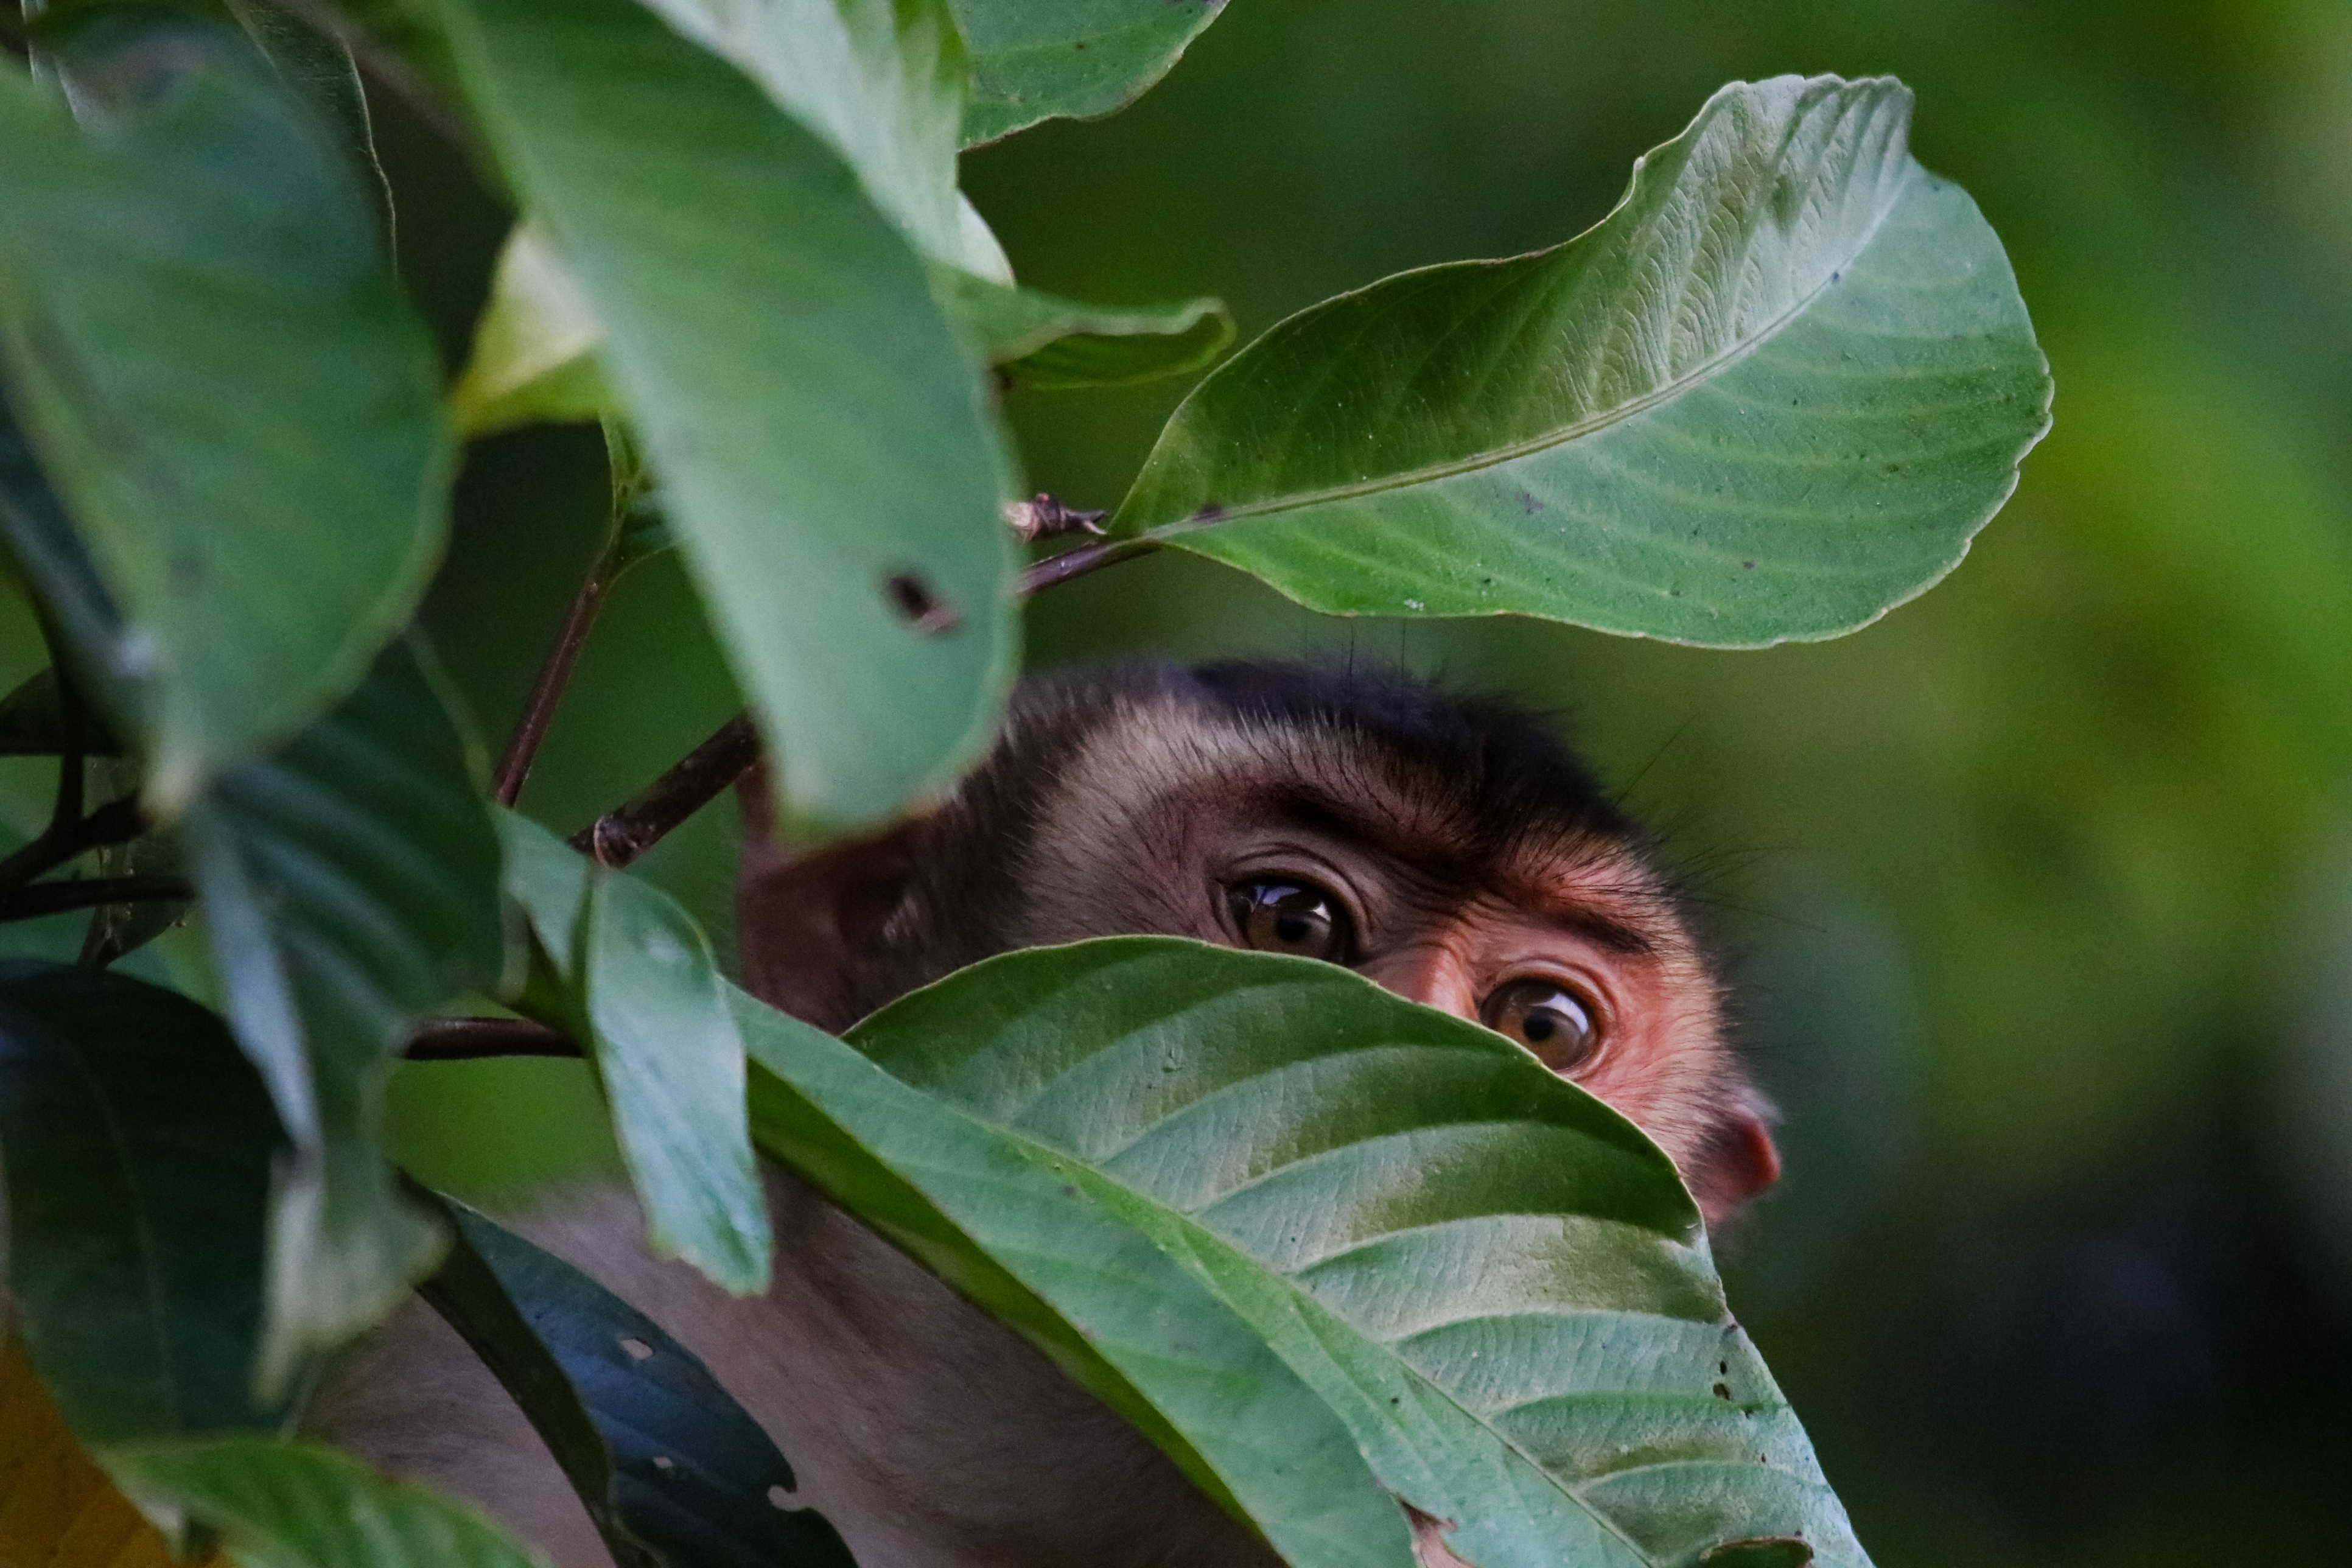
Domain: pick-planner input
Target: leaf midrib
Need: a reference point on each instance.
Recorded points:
(1495, 456)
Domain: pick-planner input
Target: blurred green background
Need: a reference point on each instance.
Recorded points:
(2040, 890)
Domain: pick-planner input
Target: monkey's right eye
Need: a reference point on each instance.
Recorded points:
(1298, 918)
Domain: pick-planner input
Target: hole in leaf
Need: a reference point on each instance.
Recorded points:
(921, 608)
(664, 1462)
(639, 1350)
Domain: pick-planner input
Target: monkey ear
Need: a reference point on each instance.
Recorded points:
(805, 923)
(1740, 1161)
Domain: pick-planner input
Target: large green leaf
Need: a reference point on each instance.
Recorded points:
(138, 1145)
(297, 1505)
(1493, 1279)
(350, 885)
(642, 989)
(1011, 1233)
(883, 82)
(824, 445)
(205, 345)
(1041, 339)
(1776, 393)
(1035, 59)
(670, 1468)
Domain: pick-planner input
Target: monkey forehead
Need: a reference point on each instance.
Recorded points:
(1156, 771)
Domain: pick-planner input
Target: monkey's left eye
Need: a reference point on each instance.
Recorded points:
(1277, 916)
(1547, 1017)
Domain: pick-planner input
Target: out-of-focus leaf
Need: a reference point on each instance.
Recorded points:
(883, 82)
(33, 722)
(1776, 393)
(828, 458)
(669, 1466)
(58, 1510)
(1036, 59)
(1121, 1318)
(535, 347)
(318, 66)
(138, 1144)
(1493, 1279)
(1045, 341)
(350, 885)
(295, 1505)
(204, 345)
(643, 991)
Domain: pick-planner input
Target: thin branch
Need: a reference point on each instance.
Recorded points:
(622, 835)
(1057, 569)
(554, 675)
(89, 892)
(116, 822)
(473, 1039)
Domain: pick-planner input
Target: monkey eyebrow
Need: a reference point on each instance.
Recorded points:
(1604, 931)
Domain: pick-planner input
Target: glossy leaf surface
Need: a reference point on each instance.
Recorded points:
(669, 1466)
(58, 1508)
(350, 884)
(826, 457)
(1495, 1281)
(883, 83)
(138, 1145)
(1043, 340)
(298, 1505)
(1776, 393)
(1013, 1233)
(1037, 60)
(643, 991)
(204, 344)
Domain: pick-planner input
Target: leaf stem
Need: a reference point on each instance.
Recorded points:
(116, 822)
(554, 675)
(474, 1039)
(89, 892)
(1056, 570)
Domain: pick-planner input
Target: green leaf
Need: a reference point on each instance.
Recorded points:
(645, 992)
(882, 82)
(1122, 1318)
(1036, 59)
(1493, 1279)
(670, 1468)
(825, 448)
(350, 885)
(138, 1145)
(297, 1505)
(1046, 341)
(534, 356)
(1775, 394)
(203, 341)
(319, 67)
(34, 723)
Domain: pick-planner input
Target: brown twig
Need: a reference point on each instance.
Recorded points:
(473, 1039)
(620, 835)
(116, 822)
(89, 892)
(1056, 570)
(554, 675)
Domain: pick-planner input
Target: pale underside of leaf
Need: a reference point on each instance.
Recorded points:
(1773, 394)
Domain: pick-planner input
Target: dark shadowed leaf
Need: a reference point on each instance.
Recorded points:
(34, 722)
(1777, 391)
(1124, 1320)
(1496, 1282)
(827, 458)
(642, 989)
(1044, 341)
(670, 1468)
(297, 1505)
(1036, 59)
(203, 341)
(137, 1144)
(350, 885)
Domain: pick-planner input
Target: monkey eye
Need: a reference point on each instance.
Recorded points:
(1277, 916)
(1545, 1017)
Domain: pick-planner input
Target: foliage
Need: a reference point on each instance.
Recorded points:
(1775, 395)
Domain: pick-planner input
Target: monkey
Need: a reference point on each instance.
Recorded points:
(1450, 849)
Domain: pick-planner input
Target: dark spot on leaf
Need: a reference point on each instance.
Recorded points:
(1893, 467)
(187, 572)
(1529, 503)
(1674, 593)
(1723, 1391)
(1209, 513)
(1068, 1191)
(921, 608)
(1724, 1366)
(1079, 45)
(639, 1350)
(780, 1497)
(1759, 1551)
(1833, 277)
(1747, 566)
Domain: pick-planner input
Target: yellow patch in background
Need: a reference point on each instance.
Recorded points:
(58, 1510)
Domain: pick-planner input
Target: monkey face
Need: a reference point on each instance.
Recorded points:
(1450, 850)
